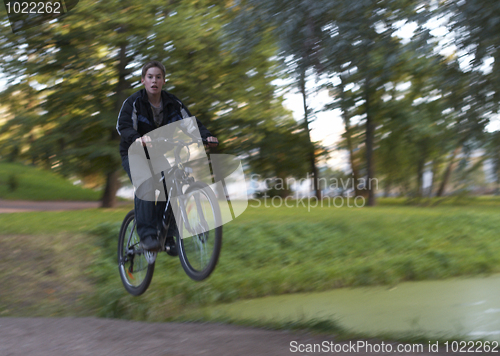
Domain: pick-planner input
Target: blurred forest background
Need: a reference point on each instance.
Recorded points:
(415, 82)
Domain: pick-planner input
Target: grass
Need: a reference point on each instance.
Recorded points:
(20, 182)
(276, 251)
(53, 222)
(446, 201)
(67, 260)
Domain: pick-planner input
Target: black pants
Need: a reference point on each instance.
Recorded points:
(148, 214)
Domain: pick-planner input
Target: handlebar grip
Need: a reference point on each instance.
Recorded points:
(205, 142)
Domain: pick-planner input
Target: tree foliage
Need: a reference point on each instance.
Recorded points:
(406, 109)
(83, 66)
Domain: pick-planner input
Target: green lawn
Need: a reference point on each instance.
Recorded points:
(266, 251)
(22, 182)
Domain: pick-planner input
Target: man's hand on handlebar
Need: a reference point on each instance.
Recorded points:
(212, 141)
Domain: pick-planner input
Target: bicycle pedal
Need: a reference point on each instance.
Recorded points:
(150, 257)
(171, 248)
(171, 251)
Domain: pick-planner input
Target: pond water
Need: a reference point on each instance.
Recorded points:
(468, 307)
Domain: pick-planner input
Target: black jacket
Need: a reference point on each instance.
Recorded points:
(136, 117)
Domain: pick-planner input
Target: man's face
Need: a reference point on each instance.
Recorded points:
(153, 80)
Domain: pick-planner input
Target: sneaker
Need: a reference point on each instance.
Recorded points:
(170, 246)
(150, 243)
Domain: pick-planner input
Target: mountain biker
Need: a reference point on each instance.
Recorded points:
(142, 112)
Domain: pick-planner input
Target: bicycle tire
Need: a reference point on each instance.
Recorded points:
(204, 246)
(137, 280)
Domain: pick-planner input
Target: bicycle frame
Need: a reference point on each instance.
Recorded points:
(178, 177)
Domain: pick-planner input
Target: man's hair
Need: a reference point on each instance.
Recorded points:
(152, 64)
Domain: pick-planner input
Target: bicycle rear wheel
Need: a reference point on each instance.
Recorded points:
(135, 272)
(200, 252)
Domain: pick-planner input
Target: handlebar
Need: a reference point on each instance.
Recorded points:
(178, 145)
(178, 142)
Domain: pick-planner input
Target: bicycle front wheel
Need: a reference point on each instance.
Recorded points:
(199, 248)
(135, 272)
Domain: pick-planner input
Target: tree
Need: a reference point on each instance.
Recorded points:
(297, 27)
(362, 48)
(476, 25)
(85, 65)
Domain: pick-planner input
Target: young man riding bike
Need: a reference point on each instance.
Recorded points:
(141, 113)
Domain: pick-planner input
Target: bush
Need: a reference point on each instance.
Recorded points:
(13, 182)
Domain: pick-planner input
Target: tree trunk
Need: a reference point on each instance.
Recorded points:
(420, 168)
(348, 135)
(312, 154)
(497, 171)
(283, 192)
(435, 166)
(108, 199)
(497, 189)
(420, 177)
(447, 172)
(387, 188)
(369, 140)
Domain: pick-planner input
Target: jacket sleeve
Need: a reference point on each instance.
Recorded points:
(125, 126)
(203, 130)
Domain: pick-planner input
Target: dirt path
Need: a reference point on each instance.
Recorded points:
(18, 206)
(93, 336)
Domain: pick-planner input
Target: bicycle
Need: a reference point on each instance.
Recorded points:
(199, 223)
